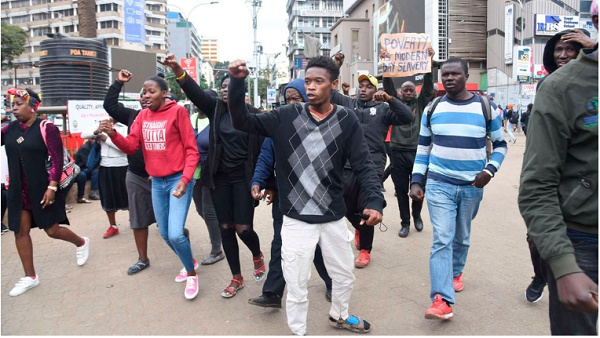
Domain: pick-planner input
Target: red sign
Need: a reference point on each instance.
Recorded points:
(190, 66)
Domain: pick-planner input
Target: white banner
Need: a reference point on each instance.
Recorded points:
(509, 28)
(528, 90)
(522, 64)
(548, 25)
(539, 71)
(87, 114)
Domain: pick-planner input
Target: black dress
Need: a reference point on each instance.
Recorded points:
(28, 158)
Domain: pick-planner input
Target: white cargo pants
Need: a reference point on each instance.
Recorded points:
(299, 240)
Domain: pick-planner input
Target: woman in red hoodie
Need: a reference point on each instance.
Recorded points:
(164, 132)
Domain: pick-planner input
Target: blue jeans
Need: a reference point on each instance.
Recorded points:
(451, 209)
(170, 213)
(90, 174)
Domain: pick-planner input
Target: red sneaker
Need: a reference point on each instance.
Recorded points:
(363, 259)
(357, 239)
(439, 309)
(112, 230)
(458, 283)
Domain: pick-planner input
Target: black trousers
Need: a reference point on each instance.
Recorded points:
(275, 283)
(562, 320)
(540, 268)
(355, 201)
(402, 166)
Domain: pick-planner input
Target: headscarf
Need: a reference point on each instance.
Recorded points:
(594, 8)
(24, 94)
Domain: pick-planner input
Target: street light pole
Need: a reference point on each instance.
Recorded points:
(255, 7)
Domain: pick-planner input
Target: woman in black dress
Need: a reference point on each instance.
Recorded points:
(34, 198)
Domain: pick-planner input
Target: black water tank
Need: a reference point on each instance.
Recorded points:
(73, 68)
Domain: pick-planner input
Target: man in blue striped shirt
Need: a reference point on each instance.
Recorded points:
(452, 151)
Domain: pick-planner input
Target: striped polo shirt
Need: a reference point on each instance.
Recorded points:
(454, 149)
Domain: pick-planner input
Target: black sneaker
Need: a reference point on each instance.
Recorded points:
(404, 231)
(4, 229)
(266, 301)
(535, 290)
(418, 224)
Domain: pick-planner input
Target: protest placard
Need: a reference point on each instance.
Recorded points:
(406, 54)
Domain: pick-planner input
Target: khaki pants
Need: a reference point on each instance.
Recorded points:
(299, 240)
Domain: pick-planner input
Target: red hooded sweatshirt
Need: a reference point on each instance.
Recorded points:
(167, 141)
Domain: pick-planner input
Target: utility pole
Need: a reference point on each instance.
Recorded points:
(255, 7)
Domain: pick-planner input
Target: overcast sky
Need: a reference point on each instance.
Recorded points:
(230, 21)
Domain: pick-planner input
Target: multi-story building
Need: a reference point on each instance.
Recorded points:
(530, 25)
(457, 28)
(314, 18)
(41, 17)
(210, 49)
(184, 41)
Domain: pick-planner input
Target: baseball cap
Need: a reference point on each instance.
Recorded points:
(371, 79)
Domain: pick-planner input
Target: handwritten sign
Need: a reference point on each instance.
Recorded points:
(406, 54)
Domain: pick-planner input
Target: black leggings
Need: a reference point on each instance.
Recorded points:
(234, 207)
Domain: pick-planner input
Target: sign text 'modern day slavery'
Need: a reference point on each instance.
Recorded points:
(406, 54)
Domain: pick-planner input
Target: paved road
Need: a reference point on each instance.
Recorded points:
(392, 292)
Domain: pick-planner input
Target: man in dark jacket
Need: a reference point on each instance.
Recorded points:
(376, 112)
(558, 193)
(525, 118)
(559, 50)
(404, 141)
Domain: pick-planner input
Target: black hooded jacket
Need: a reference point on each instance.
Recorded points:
(548, 60)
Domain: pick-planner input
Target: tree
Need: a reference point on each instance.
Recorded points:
(176, 89)
(86, 13)
(14, 39)
(220, 71)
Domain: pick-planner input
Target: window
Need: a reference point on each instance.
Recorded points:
(108, 8)
(112, 41)
(39, 2)
(69, 29)
(41, 31)
(19, 4)
(35, 49)
(367, 14)
(355, 35)
(152, 20)
(20, 18)
(40, 16)
(153, 33)
(64, 13)
(109, 24)
(157, 8)
(156, 46)
(328, 22)
(5, 5)
(6, 21)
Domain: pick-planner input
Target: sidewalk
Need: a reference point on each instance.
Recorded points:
(392, 292)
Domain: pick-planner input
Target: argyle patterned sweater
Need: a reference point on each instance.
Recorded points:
(310, 156)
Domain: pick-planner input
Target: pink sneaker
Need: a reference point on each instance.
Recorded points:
(458, 283)
(191, 287)
(182, 276)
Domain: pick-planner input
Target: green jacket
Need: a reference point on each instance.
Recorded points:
(406, 136)
(559, 179)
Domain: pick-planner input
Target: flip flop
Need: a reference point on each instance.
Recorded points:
(137, 267)
(83, 200)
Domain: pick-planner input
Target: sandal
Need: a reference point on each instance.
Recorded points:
(259, 273)
(352, 323)
(83, 200)
(230, 291)
(137, 267)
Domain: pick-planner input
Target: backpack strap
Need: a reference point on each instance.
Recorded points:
(434, 104)
(486, 107)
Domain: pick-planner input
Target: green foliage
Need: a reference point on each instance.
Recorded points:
(173, 85)
(262, 89)
(14, 39)
(176, 89)
(220, 71)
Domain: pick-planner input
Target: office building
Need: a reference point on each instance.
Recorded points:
(309, 18)
(184, 41)
(210, 49)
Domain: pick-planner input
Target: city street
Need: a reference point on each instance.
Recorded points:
(392, 292)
